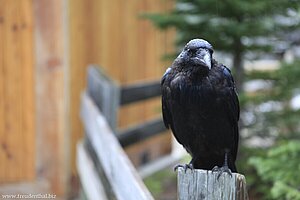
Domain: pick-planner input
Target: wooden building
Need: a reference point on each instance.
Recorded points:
(45, 47)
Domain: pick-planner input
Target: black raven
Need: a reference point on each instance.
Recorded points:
(200, 105)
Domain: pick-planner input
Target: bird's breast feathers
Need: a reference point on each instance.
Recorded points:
(186, 88)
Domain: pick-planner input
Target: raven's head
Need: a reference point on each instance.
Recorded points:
(196, 53)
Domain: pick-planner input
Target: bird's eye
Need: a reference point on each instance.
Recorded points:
(192, 51)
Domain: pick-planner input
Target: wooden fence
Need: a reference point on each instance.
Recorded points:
(111, 34)
(45, 48)
(100, 154)
(17, 104)
(108, 96)
(122, 181)
(104, 168)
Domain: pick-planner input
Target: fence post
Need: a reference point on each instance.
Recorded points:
(204, 185)
(105, 93)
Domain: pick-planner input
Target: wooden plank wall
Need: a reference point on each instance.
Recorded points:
(52, 93)
(45, 47)
(111, 34)
(17, 104)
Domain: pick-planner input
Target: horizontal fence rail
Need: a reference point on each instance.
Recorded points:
(120, 173)
(138, 92)
(141, 132)
(93, 186)
(108, 97)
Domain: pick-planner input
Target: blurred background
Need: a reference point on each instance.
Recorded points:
(47, 45)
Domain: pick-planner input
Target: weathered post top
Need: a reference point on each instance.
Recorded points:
(203, 185)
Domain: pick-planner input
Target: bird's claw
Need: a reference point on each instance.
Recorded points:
(185, 167)
(221, 170)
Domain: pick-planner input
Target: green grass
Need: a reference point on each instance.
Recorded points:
(157, 181)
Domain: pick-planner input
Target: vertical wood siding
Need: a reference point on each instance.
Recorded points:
(17, 113)
(113, 35)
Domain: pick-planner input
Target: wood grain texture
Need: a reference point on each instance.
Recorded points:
(82, 48)
(17, 113)
(112, 35)
(204, 185)
(28, 82)
(2, 127)
(52, 96)
(124, 181)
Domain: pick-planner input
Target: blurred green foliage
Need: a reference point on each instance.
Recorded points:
(232, 26)
(279, 170)
(256, 27)
(285, 86)
(276, 174)
(226, 23)
(164, 181)
(160, 182)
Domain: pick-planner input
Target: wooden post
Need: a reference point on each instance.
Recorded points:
(52, 94)
(105, 93)
(204, 185)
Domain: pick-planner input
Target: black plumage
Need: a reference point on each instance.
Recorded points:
(200, 105)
